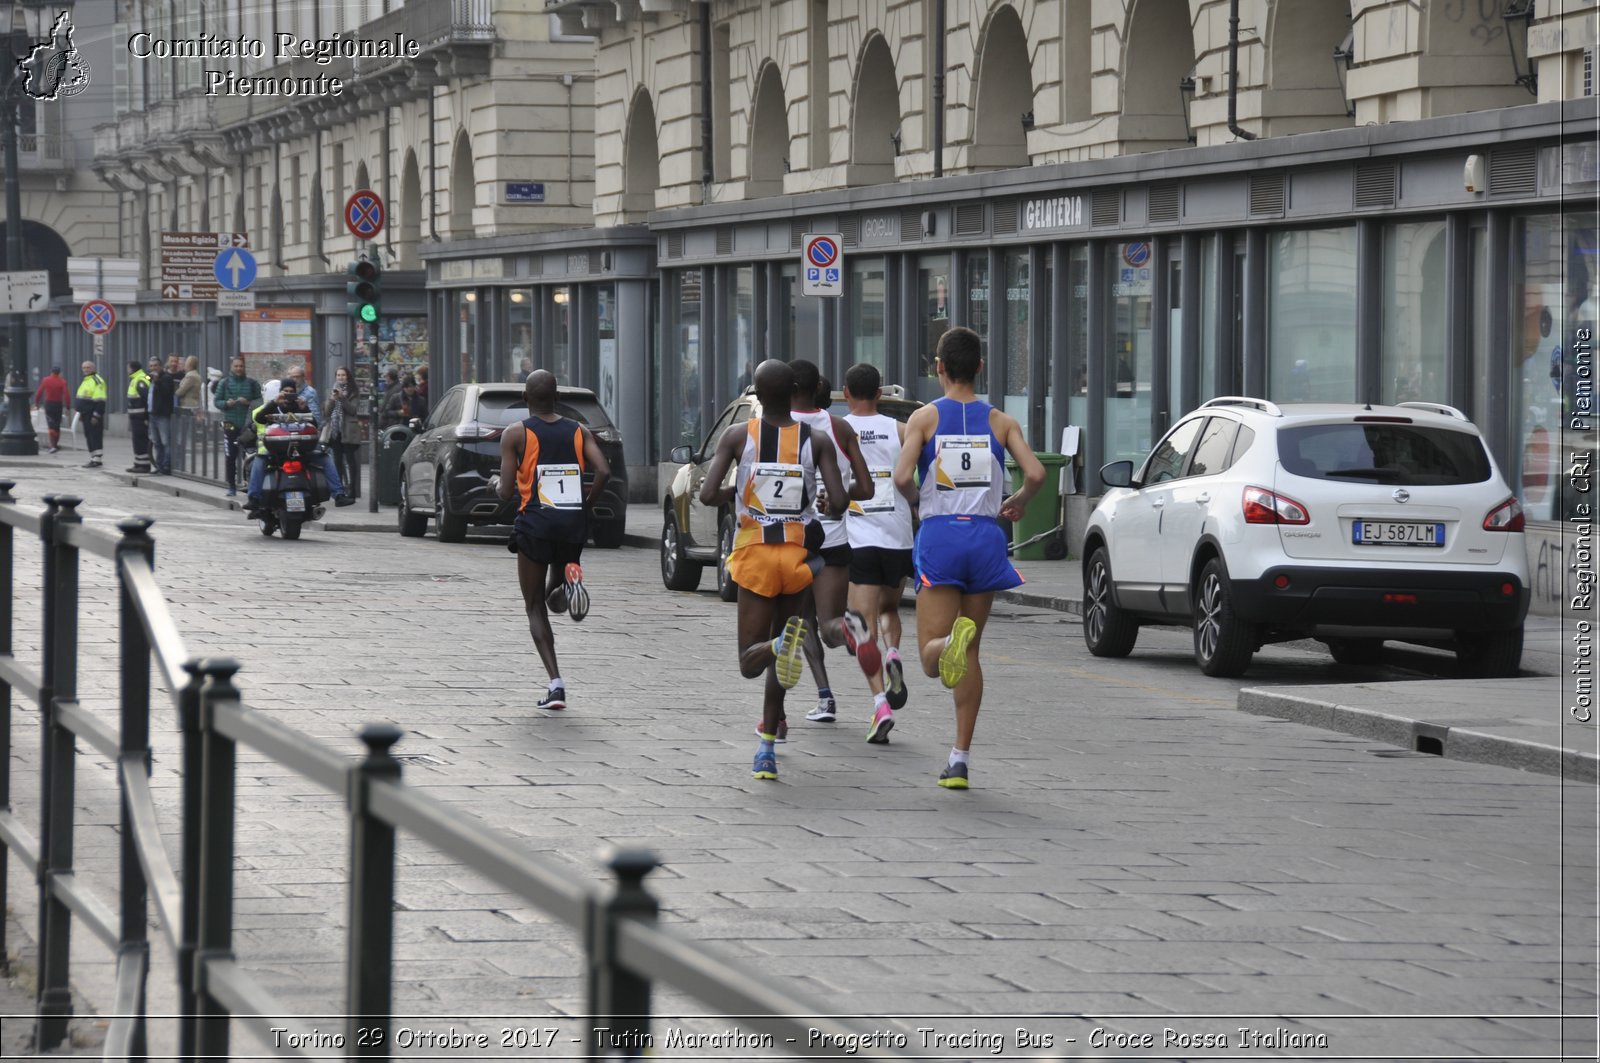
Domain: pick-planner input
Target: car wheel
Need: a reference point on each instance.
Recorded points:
(1490, 654)
(450, 527)
(1107, 630)
(1223, 644)
(677, 571)
(413, 525)
(1357, 653)
(727, 590)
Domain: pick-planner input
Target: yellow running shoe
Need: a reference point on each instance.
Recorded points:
(787, 652)
(953, 661)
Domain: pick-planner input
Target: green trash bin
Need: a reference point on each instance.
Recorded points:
(391, 444)
(1043, 513)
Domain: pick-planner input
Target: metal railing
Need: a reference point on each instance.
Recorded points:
(625, 951)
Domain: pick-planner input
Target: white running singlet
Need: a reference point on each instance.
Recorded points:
(833, 530)
(884, 520)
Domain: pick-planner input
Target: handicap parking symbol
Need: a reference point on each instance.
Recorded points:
(833, 274)
(813, 273)
(1127, 275)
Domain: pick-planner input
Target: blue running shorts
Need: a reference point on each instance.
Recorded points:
(968, 553)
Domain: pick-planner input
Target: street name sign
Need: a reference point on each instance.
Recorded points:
(822, 265)
(24, 291)
(188, 262)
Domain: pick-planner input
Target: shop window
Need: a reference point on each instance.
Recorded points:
(468, 316)
(1414, 294)
(1074, 371)
(605, 330)
(741, 333)
(1555, 292)
(562, 361)
(866, 312)
(519, 326)
(978, 296)
(1015, 401)
(687, 348)
(933, 320)
(1129, 357)
(1311, 313)
(1208, 318)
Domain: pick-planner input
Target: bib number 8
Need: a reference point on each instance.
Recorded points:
(964, 462)
(560, 487)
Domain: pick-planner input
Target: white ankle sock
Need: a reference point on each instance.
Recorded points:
(960, 756)
(557, 684)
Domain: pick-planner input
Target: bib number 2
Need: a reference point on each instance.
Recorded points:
(777, 489)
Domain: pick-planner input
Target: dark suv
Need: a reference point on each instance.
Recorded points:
(694, 535)
(445, 470)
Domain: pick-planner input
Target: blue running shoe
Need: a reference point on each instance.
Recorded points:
(954, 777)
(766, 765)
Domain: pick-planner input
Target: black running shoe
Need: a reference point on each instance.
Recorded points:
(954, 777)
(895, 673)
(554, 699)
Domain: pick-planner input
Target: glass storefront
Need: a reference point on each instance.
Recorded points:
(741, 361)
(1415, 292)
(519, 355)
(688, 401)
(1556, 291)
(1311, 315)
(1209, 311)
(866, 294)
(978, 296)
(1017, 347)
(1075, 373)
(1130, 356)
(562, 361)
(933, 320)
(605, 331)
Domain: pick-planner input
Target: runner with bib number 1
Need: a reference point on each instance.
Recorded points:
(542, 462)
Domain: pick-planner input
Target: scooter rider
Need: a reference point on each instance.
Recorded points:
(286, 401)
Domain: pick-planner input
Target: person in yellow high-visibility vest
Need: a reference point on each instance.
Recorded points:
(90, 405)
(139, 416)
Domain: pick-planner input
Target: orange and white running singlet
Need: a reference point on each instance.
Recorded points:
(775, 493)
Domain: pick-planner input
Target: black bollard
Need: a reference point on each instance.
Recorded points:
(18, 437)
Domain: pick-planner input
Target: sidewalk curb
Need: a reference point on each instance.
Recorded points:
(1454, 742)
(183, 487)
(1042, 601)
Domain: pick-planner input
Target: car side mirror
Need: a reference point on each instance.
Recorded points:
(1117, 474)
(415, 424)
(681, 455)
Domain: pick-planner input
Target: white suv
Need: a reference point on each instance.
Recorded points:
(1261, 523)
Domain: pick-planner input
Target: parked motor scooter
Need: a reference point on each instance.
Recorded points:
(294, 486)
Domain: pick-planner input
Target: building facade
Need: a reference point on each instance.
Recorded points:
(1139, 204)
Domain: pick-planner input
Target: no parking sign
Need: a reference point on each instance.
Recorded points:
(822, 261)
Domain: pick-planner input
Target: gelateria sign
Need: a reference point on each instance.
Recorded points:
(1052, 212)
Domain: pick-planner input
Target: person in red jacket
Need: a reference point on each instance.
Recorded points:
(52, 396)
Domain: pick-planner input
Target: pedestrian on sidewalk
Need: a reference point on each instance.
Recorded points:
(51, 396)
(163, 405)
(343, 430)
(189, 413)
(956, 446)
(91, 407)
(826, 615)
(879, 529)
(236, 395)
(542, 462)
(139, 416)
(307, 393)
(774, 494)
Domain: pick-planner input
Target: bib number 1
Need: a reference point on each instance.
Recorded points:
(560, 487)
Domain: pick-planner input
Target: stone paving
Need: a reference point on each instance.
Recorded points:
(1135, 856)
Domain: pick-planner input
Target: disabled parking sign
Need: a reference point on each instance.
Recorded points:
(822, 258)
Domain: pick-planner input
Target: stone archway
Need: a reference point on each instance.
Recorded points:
(410, 219)
(1004, 88)
(641, 158)
(463, 189)
(769, 134)
(43, 248)
(874, 115)
(1303, 92)
(1157, 53)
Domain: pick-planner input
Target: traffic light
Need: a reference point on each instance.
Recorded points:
(365, 289)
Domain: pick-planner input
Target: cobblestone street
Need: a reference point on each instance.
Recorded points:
(1133, 851)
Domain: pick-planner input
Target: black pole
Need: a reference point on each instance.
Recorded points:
(18, 437)
(133, 937)
(369, 963)
(707, 173)
(938, 88)
(1233, 74)
(7, 559)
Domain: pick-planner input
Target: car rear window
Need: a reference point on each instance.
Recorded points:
(1386, 453)
(508, 409)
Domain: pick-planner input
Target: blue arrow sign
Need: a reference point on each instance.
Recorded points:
(235, 269)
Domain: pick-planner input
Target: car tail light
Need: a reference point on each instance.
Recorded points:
(292, 467)
(1506, 517)
(477, 431)
(1266, 507)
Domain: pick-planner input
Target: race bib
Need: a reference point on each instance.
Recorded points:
(964, 463)
(776, 489)
(560, 486)
(883, 492)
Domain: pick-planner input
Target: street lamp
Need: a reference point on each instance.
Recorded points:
(1521, 11)
(1344, 58)
(18, 437)
(1186, 87)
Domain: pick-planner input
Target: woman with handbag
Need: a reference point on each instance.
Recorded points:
(342, 432)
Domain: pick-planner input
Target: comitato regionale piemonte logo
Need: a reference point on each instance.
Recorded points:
(54, 69)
